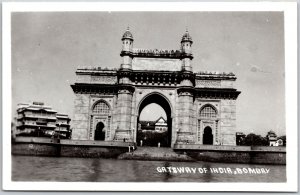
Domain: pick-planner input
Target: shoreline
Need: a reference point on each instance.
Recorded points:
(34, 146)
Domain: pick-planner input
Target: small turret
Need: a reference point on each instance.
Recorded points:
(186, 50)
(126, 53)
(127, 40)
(186, 43)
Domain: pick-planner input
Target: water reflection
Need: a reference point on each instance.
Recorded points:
(95, 170)
(167, 175)
(207, 177)
(30, 168)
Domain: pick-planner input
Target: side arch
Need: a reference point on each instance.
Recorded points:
(100, 120)
(208, 130)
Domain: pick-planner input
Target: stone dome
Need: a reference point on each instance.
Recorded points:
(127, 35)
(186, 37)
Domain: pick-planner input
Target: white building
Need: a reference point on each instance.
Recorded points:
(161, 124)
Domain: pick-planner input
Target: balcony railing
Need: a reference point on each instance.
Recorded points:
(40, 116)
(40, 125)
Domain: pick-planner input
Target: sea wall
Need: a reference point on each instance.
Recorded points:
(35, 146)
(67, 148)
(268, 155)
(92, 149)
(119, 150)
(235, 154)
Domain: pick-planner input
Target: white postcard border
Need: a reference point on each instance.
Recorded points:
(290, 18)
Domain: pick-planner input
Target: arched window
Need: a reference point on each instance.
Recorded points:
(101, 108)
(208, 112)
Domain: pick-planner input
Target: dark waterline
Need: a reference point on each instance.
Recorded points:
(32, 168)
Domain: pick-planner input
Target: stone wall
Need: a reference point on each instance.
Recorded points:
(124, 114)
(234, 154)
(81, 117)
(91, 151)
(268, 157)
(35, 149)
(68, 148)
(228, 122)
(185, 114)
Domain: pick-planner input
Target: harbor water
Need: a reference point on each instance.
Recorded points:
(62, 169)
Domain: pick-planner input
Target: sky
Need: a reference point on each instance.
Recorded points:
(48, 47)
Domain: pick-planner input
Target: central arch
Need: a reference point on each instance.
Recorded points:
(159, 99)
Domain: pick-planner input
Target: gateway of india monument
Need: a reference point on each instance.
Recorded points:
(200, 107)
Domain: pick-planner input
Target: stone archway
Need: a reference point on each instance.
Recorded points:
(99, 132)
(164, 103)
(208, 136)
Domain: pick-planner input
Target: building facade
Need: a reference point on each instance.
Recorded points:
(146, 125)
(161, 124)
(37, 119)
(63, 125)
(158, 125)
(200, 107)
(273, 139)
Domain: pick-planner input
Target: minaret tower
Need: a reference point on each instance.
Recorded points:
(186, 50)
(186, 110)
(126, 53)
(125, 91)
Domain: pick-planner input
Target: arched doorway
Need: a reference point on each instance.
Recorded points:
(208, 136)
(99, 131)
(208, 125)
(100, 121)
(155, 136)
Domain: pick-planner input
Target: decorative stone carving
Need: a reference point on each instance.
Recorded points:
(157, 53)
(208, 83)
(156, 64)
(104, 79)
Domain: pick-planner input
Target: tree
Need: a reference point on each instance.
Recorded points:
(254, 140)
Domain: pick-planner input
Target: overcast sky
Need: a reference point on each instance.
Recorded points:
(48, 47)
